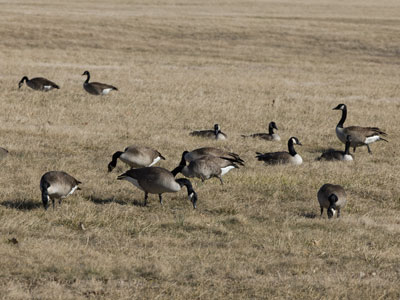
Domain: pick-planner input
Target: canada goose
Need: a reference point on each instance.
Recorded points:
(215, 134)
(156, 180)
(3, 153)
(205, 167)
(282, 157)
(332, 197)
(270, 136)
(339, 155)
(360, 136)
(136, 157)
(200, 152)
(96, 88)
(38, 83)
(57, 185)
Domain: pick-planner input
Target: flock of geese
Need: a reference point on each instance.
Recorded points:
(203, 163)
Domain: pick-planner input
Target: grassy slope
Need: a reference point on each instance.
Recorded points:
(182, 66)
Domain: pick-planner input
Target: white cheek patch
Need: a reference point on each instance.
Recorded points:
(226, 170)
(333, 211)
(156, 160)
(191, 196)
(372, 139)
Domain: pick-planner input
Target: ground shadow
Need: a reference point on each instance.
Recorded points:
(101, 201)
(22, 204)
(308, 215)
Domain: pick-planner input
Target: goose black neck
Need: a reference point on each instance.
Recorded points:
(347, 148)
(88, 77)
(343, 118)
(24, 79)
(113, 162)
(187, 183)
(270, 129)
(292, 151)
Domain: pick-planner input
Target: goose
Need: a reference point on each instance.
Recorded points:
(38, 83)
(205, 151)
(136, 157)
(214, 134)
(96, 88)
(157, 180)
(270, 136)
(283, 157)
(332, 197)
(57, 185)
(206, 167)
(339, 155)
(3, 153)
(360, 136)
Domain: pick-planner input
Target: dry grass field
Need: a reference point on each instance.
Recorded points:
(181, 66)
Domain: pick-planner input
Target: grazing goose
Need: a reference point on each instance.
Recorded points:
(96, 88)
(339, 155)
(136, 157)
(156, 180)
(205, 167)
(283, 157)
(214, 134)
(3, 153)
(57, 185)
(200, 152)
(38, 83)
(270, 136)
(360, 136)
(332, 197)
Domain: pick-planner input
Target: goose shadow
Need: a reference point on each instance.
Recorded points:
(308, 215)
(22, 204)
(106, 200)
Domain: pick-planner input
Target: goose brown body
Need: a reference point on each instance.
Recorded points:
(331, 197)
(136, 157)
(97, 88)
(38, 83)
(57, 185)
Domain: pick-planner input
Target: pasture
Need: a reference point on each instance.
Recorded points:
(182, 66)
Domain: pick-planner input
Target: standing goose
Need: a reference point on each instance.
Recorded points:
(201, 152)
(360, 136)
(205, 167)
(339, 155)
(38, 83)
(270, 136)
(290, 157)
(96, 88)
(214, 134)
(57, 185)
(136, 157)
(333, 198)
(156, 180)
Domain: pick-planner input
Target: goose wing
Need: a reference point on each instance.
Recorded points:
(274, 157)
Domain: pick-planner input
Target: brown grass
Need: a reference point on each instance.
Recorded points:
(181, 66)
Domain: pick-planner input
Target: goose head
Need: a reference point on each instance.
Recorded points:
(22, 81)
(340, 107)
(273, 125)
(332, 205)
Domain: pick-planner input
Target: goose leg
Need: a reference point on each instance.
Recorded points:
(354, 149)
(146, 195)
(322, 211)
(338, 212)
(159, 196)
(369, 150)
(220, 179)
(52, 202)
